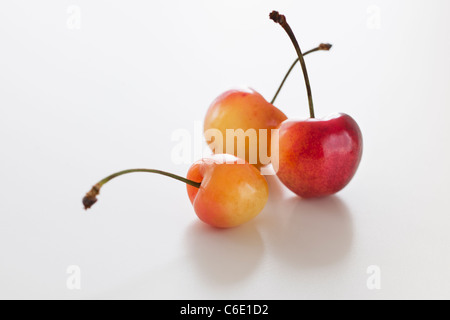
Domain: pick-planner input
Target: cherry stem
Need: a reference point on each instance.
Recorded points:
(91, 197)
(322, 46)
(280, 19)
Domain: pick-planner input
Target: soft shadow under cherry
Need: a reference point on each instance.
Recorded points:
(312, 233)
(224, 256)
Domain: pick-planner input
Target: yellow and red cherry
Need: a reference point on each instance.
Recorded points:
(224, 192)
(244, 111)
(231, 193)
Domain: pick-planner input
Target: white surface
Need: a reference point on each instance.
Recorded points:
(76, 105)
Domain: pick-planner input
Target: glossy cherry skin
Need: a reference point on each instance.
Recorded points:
(231, 192)
(318, 157)
(243, 109)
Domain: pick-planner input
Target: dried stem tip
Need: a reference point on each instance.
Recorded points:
(325, 46)
(277, 17)
(91, 197)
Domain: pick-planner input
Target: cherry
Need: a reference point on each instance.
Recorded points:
(224, 192)
(317, 157)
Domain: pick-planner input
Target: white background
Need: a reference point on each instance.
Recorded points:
(78, 104)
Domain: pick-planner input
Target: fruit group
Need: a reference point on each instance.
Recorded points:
(245, 112)
(230, 194)
(314, 158)
(319, 157)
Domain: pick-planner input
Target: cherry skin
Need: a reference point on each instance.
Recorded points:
(319, 157)
(230, 193)
(242, 109)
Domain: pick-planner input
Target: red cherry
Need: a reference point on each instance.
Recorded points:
(317, 157)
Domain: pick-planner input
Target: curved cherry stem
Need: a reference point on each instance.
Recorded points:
(91, 197)
(281, 20)
(322, 46)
